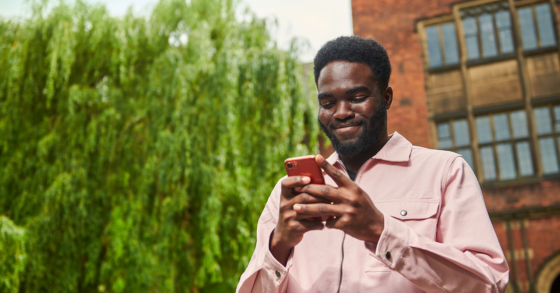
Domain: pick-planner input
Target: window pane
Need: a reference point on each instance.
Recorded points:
(483, 129)
(488, 167)
(548, 155)
(467, 155)
(501, 127)
(542, 117)
(489, 48)
(471, 32)
(519, 124)
(527, 25)
(557, 118)
(524, 159)
(544, 22)
(505, 161)
(450, 43)
(434, 49)
(444, 136)
(503, 21)
(461, 132)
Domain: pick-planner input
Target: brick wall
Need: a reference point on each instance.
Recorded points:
(393, 24)
(542, 241)
(545, 193)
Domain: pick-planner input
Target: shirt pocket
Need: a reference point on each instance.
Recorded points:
(418, 214)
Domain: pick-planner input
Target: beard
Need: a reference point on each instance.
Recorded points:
(370, 136)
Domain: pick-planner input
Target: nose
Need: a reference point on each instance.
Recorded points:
(343, 111)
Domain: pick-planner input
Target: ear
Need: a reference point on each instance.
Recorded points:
(388, 97)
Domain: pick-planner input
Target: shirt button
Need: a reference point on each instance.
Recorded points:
(278, 274)
(388, 255)
(403, 213)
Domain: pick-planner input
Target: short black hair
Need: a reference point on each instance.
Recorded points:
(359, 50)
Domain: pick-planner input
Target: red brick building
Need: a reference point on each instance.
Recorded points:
(482, 78)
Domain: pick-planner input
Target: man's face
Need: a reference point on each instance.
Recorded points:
(353, 111)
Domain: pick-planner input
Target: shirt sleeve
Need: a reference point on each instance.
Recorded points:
(466, 255)
(264, 273)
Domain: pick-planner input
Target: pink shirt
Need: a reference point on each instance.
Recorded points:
(437, 235)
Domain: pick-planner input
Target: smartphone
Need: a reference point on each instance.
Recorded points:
(306, 166)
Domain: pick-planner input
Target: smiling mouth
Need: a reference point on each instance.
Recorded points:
(344, 128)
(346, 125)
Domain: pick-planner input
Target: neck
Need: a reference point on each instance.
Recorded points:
(354, 163)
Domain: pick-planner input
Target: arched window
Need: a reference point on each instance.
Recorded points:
(555, 288)
(548, 277)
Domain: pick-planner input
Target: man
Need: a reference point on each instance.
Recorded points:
(405, 218)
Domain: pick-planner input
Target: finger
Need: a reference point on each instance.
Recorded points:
(333, 223)
(300, 188)
(317, 210)
(309, 217)
(306, 198)
(325, 191)
(335, 174)
(295, 181)
(289, 183)
(312, 225)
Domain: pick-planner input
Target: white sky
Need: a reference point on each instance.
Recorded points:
(317, 21)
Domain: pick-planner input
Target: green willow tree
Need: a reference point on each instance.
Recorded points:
(136, 153)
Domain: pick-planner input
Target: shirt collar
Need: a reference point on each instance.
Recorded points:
(397, 149)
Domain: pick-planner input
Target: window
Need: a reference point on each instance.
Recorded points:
(537, 30)
(505, 142)
(454, 136)
(442, 45)
(505, 151)
(487, 30)
(547, 120)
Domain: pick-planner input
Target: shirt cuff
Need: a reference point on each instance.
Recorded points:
(392, 243)
(273, 268)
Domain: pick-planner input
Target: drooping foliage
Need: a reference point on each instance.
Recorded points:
(12, 255)
(137, 152)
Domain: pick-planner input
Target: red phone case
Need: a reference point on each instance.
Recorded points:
(306, 166)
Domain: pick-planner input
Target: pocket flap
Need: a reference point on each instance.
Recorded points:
(411, 209)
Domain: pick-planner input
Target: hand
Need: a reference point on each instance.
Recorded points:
(352, 207)
(290, 228)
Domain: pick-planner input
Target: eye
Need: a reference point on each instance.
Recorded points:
(357, 100)
(327, 104)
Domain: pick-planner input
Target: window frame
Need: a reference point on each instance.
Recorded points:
(530, 148)
(491, 8)
(454, 148)
(555, 134)
(511, 141)
(539, 47)
(444, 65)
